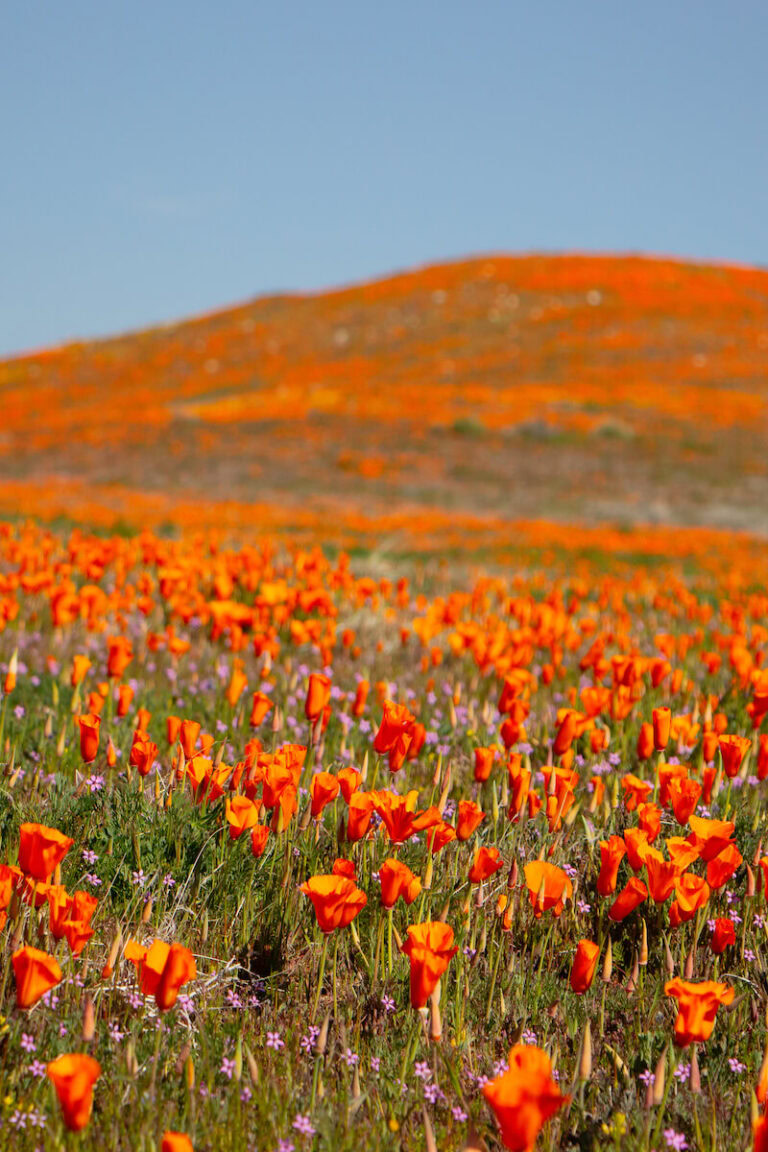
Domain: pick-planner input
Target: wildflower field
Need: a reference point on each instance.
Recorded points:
(308, 842)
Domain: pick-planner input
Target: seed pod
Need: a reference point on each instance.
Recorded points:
(253, 1068)
(695, 1079)
(660, 1079)
(429, 1135)
(322, 1039)
(435, 1018)
(608, 963)
(182, 1059)
(89, 1021)
(585, 1056)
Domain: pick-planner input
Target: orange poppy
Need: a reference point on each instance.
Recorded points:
(163, 970)
(484, 758)
(259, 708)
(176, 1142)
(469, 819)
(395, 727)
(487, 861)
(89, 737)
(548, 887)
(36, 973)
(662, 721)
(241, 814)
(73, 1077)
(723, 936)
(259, 837)
(612, 852)
(631, 896)
(524, 1097)
(692, 892)
(697, 1008)
(584, 965)
(41, 850)
(430, 949)
(397, 880)
(733, 749)
(336, 900)
(318, 696)
(324, 788)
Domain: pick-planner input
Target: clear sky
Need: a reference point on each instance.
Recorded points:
(160, 158)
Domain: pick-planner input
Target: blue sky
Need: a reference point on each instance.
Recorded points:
(164, 158)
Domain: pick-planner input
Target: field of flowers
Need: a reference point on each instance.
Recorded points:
(303, 851)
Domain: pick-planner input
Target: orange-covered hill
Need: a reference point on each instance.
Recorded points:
(444, 404)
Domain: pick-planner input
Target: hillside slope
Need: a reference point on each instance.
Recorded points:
(564, 388)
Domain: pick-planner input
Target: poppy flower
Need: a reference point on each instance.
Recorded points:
(172, 728)
(723, 866)
(697, 1008)
(259, 708)
(662, 721)
(80, 665)
(36, 973)
(73, 1077)
(119, 656)
(565, 733)
(241, 814)
(682, 852)
(336, 900)
(323, 789)
(395, 725)
(343, 867)
(361, 809)
(397, 880)
(684, 795)
(710, 836)
(484, 758)
(188, 734)
(524, 1097)
(662, 876)
(469, 819)
(636, 841)
(41, 850)
(124, 699)
(143, 753)
(631, 896)
(163, 970)
(692, 892)
(723, 935)
(645, 742)
(487, 861)
(259, 837)
(238, 682)
(176, 1142)
(430, 949)
(318, 696)
(548, 887)
(89, 737)
(649, 820)
(439, 835)
(733, 749)
(349, 781)
(361, 697)
(612, 852)
(584, 965)
(636, 791)
(397, 814)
